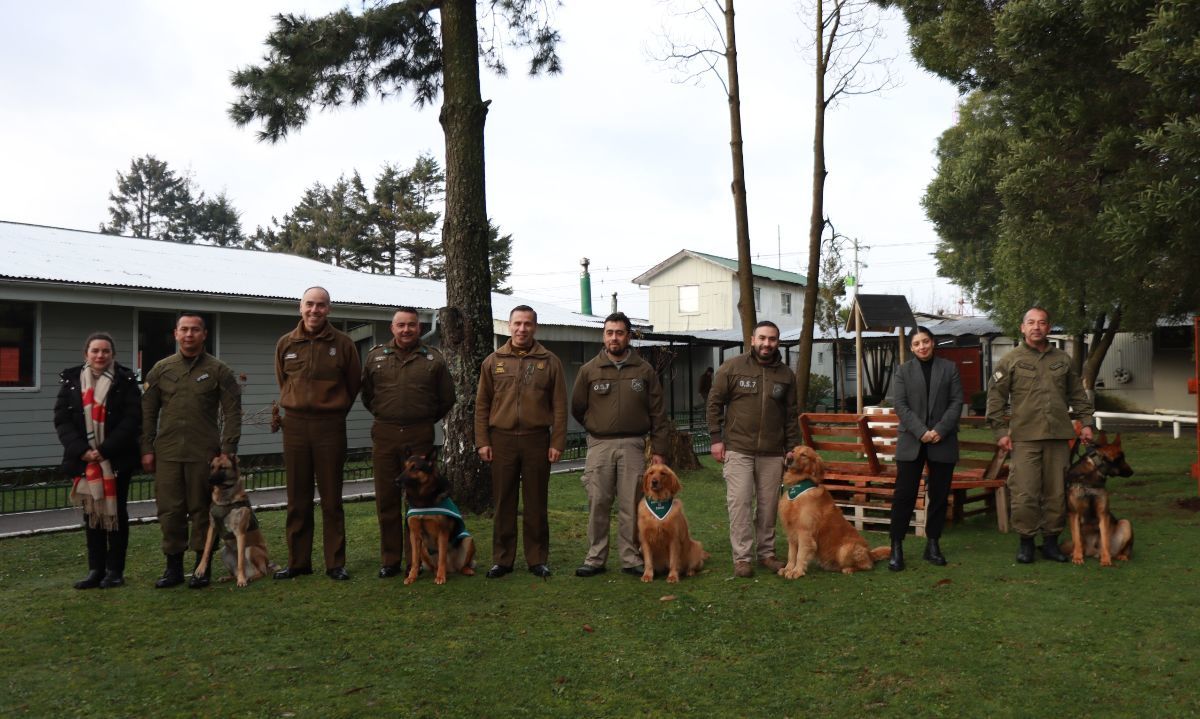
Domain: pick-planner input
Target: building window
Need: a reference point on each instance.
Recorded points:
(689, 298)
(758, 299)
(820, 358)
(156, 337)
(18, 343)
(785, 302)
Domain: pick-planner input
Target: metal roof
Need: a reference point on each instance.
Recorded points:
(769, 273)
(77, 257)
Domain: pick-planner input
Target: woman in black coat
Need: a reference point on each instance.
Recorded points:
(114, 447)
(929, 400)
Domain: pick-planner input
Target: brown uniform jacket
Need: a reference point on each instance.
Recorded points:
(317, 374)
(1039, 386)
(752, 407)
(406, 388)
(180, 405)
(620, 402)
(521, 394)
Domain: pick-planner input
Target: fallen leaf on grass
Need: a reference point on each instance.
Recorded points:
(667, 598)
(588, 628)
(352, 690)
(941, 582)
(560, 680)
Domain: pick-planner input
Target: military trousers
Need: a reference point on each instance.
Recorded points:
(1037, 487)
(520, 463)
(614, 471)
(182, 496)
(391, 445)
(314, 454)
(752, 498)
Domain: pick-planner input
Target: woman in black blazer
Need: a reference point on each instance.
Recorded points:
(104, 459)
(929, 400)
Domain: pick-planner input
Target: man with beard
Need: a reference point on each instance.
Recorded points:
(618, 399)
(753, 421)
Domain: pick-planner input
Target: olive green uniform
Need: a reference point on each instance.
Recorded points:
(752, 409)
(408, 391)
(319, 376)
(521, 412)
(1045, 393)
(618, 404)
(181, 403)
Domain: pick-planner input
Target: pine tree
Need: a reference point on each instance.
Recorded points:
(151, 201)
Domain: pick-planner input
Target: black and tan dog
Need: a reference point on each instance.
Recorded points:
(1095, 532)
(433, 519)
(245, 550)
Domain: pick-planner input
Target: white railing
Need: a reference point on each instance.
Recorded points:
(1174, 419)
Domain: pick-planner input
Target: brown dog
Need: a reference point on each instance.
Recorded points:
(1095, 532)
(434, 519)
(815, 526)
(667, 545)
(245, 550)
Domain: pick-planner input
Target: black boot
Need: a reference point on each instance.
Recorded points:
(199, 581)
(1025, 553)
(112, 578)
(1050, 548)
(173, 574)
(933, 552)
(91, 581)
(896, 560)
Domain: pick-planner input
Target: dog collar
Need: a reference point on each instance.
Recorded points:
(799, 488)
(660, 507)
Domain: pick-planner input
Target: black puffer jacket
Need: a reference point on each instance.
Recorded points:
(123, 424)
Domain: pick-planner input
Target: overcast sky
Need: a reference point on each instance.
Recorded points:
(609, 160)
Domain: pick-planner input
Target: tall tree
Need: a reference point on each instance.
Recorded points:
(694, 59)
(218, 222)
(409, 211)
(153, 202)
(499, 257)
(427, 46)
(845, 34)
(1067, 149)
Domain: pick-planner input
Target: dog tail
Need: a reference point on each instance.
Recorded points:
(879, 553)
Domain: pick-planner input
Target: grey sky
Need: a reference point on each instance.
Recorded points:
(610, 159)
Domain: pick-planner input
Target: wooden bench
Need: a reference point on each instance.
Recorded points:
(863, 484)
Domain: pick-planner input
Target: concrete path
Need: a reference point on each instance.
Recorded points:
(24, 524)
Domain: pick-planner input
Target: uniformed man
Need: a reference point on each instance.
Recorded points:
(754, 424)
(618, 399)
(408, 388)
(184, 396)
(521, 429)
(1045, 393)
(319, 373)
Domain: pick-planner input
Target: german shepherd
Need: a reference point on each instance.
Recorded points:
(1095, 532)
(434, 519)
(245, 550)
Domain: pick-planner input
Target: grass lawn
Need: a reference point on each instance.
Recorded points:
(981, 637)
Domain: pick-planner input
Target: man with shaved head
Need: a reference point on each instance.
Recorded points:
(319, 374)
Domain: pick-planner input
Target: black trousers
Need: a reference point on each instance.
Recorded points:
(937, 491)
(106, 550)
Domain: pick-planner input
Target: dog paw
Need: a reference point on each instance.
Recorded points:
(409, 580)
(673, 578)
(648, 577)
(1077, 561)
(467, 572)
(242, 582)
(783, 572)
(439, 580)
(1106, 562)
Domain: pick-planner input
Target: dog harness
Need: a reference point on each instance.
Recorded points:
(446, 508)
(798, 488)
(660, 508)
(1096, 476)
(220, 511)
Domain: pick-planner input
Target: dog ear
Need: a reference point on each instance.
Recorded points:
(674, 486)
(1102, 438)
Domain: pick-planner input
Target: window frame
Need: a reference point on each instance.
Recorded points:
(36, 349)
(679, 298)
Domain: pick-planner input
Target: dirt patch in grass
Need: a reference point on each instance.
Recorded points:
(1191, 504)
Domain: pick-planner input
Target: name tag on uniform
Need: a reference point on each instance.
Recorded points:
(747, 383)
(332, 351)
(380, 358)
(290, 355)
(499, 368)
(202, 377)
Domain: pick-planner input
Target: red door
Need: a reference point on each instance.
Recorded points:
(969, 364)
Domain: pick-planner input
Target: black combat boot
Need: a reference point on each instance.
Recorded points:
(198, 581)
(1025, 553)
(1050, 548)
(933, 552)
(896, 560)
(173, 574)
(91, 581)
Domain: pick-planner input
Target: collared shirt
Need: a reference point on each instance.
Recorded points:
(180, 409)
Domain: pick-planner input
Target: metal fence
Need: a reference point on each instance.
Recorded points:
(31, 489)
(28, 490)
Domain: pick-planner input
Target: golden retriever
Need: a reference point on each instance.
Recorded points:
(815, 526)
(663, 528)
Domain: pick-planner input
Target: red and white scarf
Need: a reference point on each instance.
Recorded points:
(96, 489)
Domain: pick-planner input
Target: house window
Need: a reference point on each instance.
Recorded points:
(18, 342)
(785, 302)
(820, 358)
(156, 337)
(758, 299)
(689, 298)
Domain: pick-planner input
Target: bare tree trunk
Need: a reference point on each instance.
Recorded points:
(466, 321)
(816, 221)
(745, 274)
(1101, 342)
